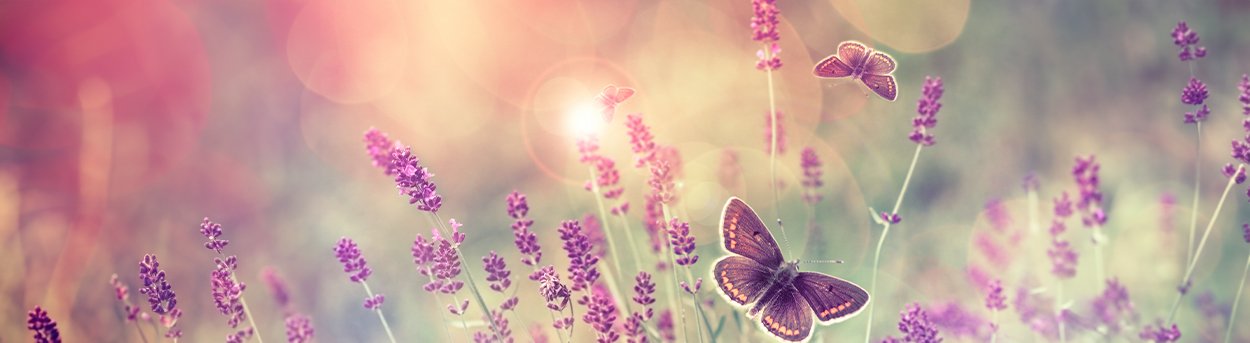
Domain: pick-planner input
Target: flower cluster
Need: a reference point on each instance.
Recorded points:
(497, 272)
(764, 29)
(43, 327)
(1063, 257)
(644, 289)
(227, 291)
(1195, 94)
(414, 181)
(781, 132)
(602, 316)
(523, 237)
(1245, 232)
(995, 300)
(682, 242)
(1113, 307)
(582, 262)
(379, 147)
(607, 177)
(555, 293)
(122, 292)
(598, 239)
(438, 259)
(926, 111)
(640, 140)
(915, 326)
(277, 287)
(1160, 333)
(160, 294)
(810, 163)
(299, 329)
(1241, 147)
(1187, 41)
(499, 277)
(354, 264)
(1090, 202)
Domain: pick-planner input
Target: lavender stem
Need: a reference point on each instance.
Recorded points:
(1198, 253)
(1232, 314)
(876, 258)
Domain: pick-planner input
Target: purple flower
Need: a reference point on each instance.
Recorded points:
(810, 163)
(1113, 307)
(122, 292)
(582, 269)
(1195, 93)
(999, 217)
(594, 233)
(640, 140)
(299, 329)
(682, 242)
(1086, 174)
(1245, 232)
(240, 336)
(160, 294)
(781, 132)
(916, 327)
(1241, 147)
(1187, 41)
(644, 290)
(1031, 183)
(498, 322)
(277, 286)
(607, 177)
(995, 300)
(354, 264)
(211, 231)
(497, 273)
(439, 260)
(764, 21)
(602, 316)
(379, 148)
(413, 180)
(926, 111)
(769, 60)
(375, 302)
(661, 182)
(1243, 97)
(1160, 334)
(227, 292)
(954, 321)
(44, 328)
(653, 220)
(523, 237)
(892, 218)
(1062, 258)
(549, 287)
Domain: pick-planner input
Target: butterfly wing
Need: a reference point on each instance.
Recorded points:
(740, 279)
(832, 67)
(879, 63)
(743, 233)
(883, 85)
(787, 315)
(853, 53)
(623, 93)
(832, 299)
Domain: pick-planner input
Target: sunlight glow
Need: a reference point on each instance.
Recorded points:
(585, 119)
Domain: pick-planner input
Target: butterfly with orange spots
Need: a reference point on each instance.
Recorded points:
(859, 62)
(756, 273)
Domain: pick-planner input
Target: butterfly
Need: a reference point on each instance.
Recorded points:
(610, 97)
(755, 273)
(859, 62)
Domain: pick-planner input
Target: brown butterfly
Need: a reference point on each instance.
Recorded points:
(859, 62)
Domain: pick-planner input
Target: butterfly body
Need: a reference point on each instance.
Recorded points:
(784, 299)
(857, 61)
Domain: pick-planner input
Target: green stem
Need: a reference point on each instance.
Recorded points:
(1099, 269)
(248, 312)
(613, 274)
(772, 154)
(140, 330)
(697, 306)
(994, 323)
(876, 258)
(381, 317)
(629, 236)
(1193, 213)
(1063, 332)
(1232, 315)
(1202, 243)
(468, 275)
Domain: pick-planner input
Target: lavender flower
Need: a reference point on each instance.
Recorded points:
(602, 316)
(549, 287)
(607, 177)
(211, 231)
(278, 287)
(523, 237)
(640, 140)
(582, 269)
(644, 290)
(43, 327)
(160, 294)
(1195, 93)
(594, 233)
(916, 327)
(769, 60)
(379, 148)
(497, 273)
(499, 322)
(999, 217)
(682, 242)
(1245, 232)
(1160, 334)
(227, 292)
(354, 264)
(764, 29)
(413, 180)
(926, 111)
(1086, 174)
(810, 163)
(1063, 257)
(954, 321)
(995, 300)
(653, 220)
(1031, 183)
(1241, 147)
(781, 132)
(1187, 41)
(375, 302)
(299, 329)
(1243, 97)
(1113, 307)
(122, 292)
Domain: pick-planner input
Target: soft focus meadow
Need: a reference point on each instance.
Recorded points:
(417, 171)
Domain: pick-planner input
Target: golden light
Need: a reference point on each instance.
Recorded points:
(585, 119)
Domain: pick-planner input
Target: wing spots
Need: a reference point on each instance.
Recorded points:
(731, 231)
(779, 328)
(733, 244)
(731, 290)
(829, 312)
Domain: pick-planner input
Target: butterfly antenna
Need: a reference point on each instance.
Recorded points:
(825, 261)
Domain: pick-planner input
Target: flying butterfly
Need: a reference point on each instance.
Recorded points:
(756, 275)
(859, 62)
(610, 97)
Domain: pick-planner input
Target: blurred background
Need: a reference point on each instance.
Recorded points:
(123, 123)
